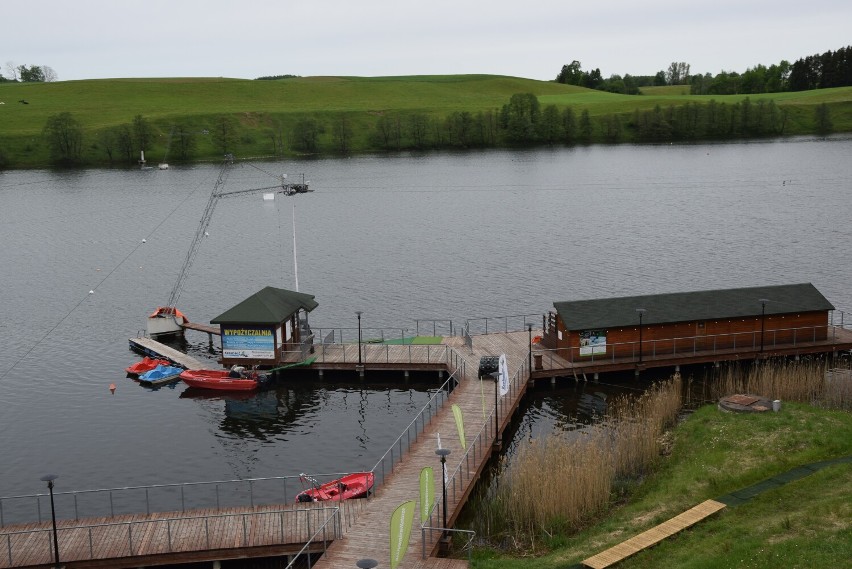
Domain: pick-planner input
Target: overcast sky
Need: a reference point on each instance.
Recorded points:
(88, 39)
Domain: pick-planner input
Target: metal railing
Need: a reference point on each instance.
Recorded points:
(502, 324)
(180, 497)
(404, 441)
(314, 538)
(382, 353)
(477, 448)
(176, 540)
(711, 344)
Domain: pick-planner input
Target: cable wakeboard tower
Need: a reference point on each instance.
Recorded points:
(168, 320)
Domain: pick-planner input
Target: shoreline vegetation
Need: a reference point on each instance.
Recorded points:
(107, 123)
(571, 495)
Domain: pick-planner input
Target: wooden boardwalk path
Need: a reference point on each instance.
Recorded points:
(170, 537)
(370, 536)
(653, 536)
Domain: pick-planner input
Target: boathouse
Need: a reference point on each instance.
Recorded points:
(265, 327)
(750, 319)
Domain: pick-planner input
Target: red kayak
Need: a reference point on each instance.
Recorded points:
(145, 364)
(355, 485)
(218, 379)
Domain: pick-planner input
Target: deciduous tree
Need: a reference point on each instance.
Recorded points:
(64, 136)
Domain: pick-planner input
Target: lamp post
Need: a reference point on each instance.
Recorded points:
(641, 311)
(529, 356)
(762, 302)
(444, 453)
(359, 337)
(49, 478)
(366, 563)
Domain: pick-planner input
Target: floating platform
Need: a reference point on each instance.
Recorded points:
(155, 349)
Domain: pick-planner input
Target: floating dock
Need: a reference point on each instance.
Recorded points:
(155, 349)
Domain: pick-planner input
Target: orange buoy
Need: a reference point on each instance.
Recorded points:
(112, 388)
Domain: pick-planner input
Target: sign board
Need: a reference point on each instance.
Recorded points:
(248, 343)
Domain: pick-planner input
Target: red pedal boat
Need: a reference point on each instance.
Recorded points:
(219, 379)
(355, 485)
(145, 364)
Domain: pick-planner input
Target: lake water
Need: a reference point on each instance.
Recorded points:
(446, 236)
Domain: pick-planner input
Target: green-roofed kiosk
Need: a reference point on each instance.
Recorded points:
(266, 327)
(753, 318)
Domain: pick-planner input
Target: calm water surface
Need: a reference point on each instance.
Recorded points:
(400, 238)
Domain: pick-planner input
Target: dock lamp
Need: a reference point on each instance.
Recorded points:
(366, 563)
(444, 453)
(762, 302)
(358, 313)
(529, 356)
(641, 311)
(49, 478)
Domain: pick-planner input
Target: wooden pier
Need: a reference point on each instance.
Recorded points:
(206, 535)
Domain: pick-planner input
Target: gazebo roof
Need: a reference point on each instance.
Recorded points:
(268, 306)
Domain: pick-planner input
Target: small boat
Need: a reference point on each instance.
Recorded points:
(145, 364)
(219, 379)
(355, 485)
(161, 375)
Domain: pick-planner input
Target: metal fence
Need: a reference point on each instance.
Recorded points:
(131, 538)
(183, 497)
(403, 442)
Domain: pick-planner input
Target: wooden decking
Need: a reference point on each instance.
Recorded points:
(653, 536)
(172, 537)
(154, 348)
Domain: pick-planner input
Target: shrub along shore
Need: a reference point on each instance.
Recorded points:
(108, 122)
(565, 498)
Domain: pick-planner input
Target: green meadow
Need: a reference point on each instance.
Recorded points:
(264, 112)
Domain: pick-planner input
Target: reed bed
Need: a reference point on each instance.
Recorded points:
(814, 382)
(558, 483)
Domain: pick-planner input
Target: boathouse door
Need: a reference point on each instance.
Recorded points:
(701, 342)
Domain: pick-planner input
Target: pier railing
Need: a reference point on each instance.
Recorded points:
(480, 446)
(683, 346)
(403, 442)
(311, 525)
(502, 324)
(182, 497)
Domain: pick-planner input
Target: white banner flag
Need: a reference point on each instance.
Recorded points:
(503, 375)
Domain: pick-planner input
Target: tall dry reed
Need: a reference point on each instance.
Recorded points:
(804, 381)
(557, 483)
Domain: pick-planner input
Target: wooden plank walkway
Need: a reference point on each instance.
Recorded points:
(370, 537)
(155, 348)
(654, 535)
(169, 537)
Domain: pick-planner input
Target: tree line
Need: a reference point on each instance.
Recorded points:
(820, 71)
(520, 122)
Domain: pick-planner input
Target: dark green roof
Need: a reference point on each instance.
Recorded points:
(268, 306)
(690, 306)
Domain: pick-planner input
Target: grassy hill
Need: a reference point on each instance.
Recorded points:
(264, 109)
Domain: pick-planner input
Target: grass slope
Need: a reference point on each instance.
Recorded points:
(264, 108)
(804, 523)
